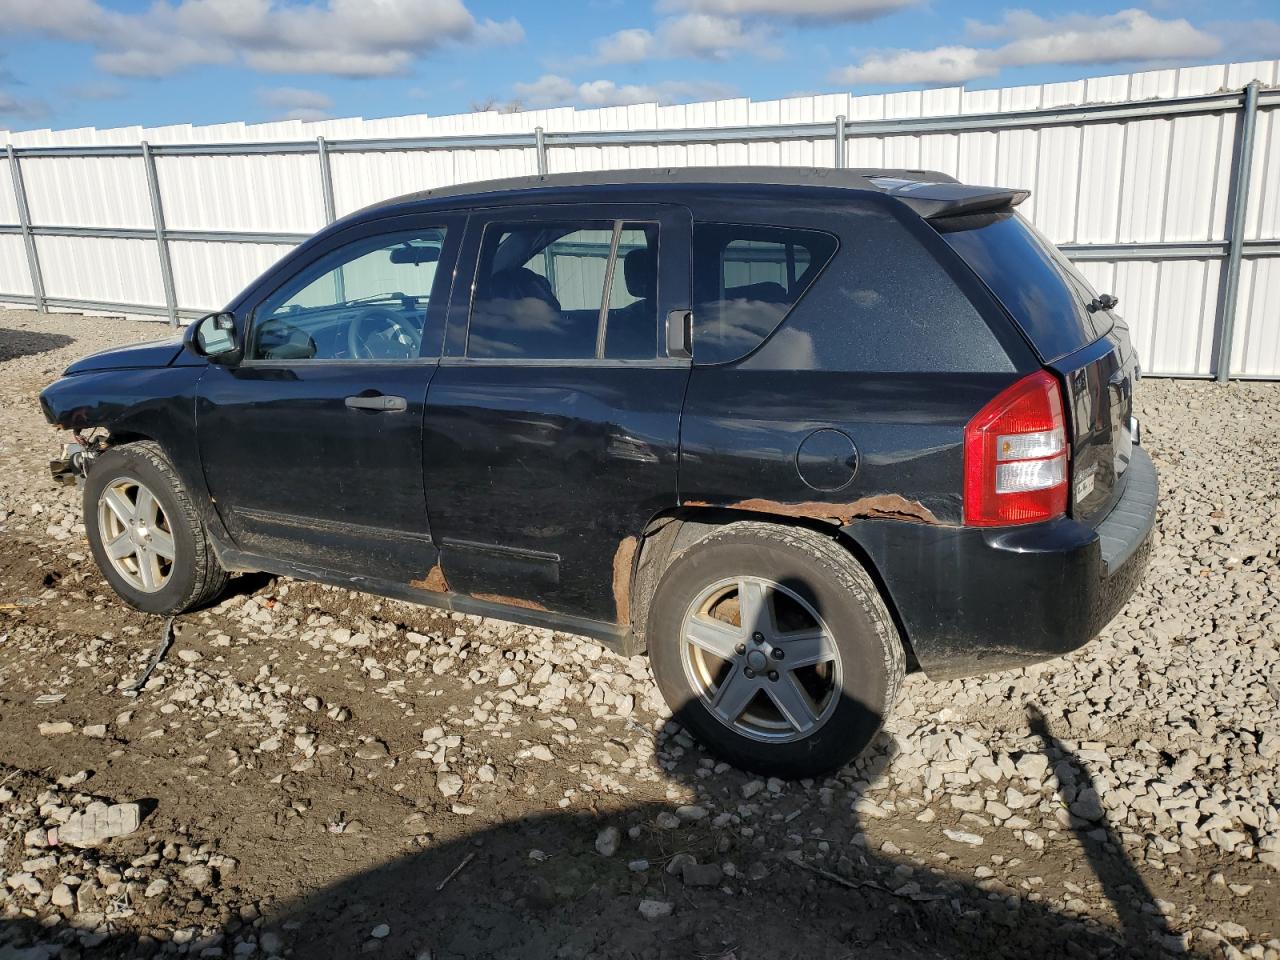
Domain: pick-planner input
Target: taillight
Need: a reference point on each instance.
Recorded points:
(1015, 456)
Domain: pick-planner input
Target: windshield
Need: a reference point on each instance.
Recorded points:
(1045, 294)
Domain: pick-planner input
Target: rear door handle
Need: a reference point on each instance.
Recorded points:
(679, 334)
(381, 403)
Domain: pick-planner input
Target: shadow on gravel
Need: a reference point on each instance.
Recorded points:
(537, 887)
(26, 343)
(1129, 894)
(734, 879)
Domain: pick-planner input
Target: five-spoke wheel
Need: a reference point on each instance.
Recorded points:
(136, 534)
(761, 658)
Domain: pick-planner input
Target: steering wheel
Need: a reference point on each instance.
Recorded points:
(382, 334)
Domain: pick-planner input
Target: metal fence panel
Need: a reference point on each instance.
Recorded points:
(203, 271)
(1256, 349)
(14, 275)
(110, 269)
(87, 191)
(265, 192)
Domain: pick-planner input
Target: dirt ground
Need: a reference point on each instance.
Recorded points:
(323, 773)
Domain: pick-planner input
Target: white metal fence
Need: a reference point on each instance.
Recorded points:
(1164, 186)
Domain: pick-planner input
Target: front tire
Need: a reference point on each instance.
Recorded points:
(145, 533)
(772, 645)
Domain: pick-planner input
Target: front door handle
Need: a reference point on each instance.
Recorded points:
(380, 403)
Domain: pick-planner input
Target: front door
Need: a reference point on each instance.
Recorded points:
(552, 427)
(312, 445)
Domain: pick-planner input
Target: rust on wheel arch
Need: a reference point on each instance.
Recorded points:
(434, 581)
(622, 562)
(882, 506)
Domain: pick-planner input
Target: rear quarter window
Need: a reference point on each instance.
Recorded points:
(746, 279)
(1039, 287)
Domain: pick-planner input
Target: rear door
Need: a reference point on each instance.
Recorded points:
(552, 427)
(1086, 345)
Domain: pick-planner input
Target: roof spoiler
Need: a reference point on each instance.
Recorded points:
(937, 201)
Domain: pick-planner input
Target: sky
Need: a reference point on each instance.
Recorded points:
(105, 63)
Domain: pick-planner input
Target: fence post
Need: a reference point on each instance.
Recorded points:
(840, 141)
(24, 219)
(540, 142)
(1236, 225)
(326, 180)
(162, 242)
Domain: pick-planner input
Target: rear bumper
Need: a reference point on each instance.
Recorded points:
(976, 600)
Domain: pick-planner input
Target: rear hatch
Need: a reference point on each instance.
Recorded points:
(1075, 336)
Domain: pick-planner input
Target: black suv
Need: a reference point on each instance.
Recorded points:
(789, 431)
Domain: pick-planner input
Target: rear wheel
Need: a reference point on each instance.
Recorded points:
(145, 533)
(772, 645)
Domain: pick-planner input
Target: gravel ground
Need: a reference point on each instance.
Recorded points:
(312, 772)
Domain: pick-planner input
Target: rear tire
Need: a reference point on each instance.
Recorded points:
(805, 684)
(145, 533)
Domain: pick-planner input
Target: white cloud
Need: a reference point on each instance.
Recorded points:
(699, 36)
(551, 90)
(625, 46)
(800, 10)
(1127, 36)
(547, 91)
(942, 65)
(297, 103)
(334, 37)
(708, 37)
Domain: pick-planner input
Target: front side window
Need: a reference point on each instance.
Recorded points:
(364, 301)
(745, 280)
(566, 290)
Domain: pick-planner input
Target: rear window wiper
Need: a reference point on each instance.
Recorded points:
(1104, 301)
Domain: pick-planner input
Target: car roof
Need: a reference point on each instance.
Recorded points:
(931, 193)
(593, 180)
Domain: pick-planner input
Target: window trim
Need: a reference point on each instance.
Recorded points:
(610, 271)
(449, 221)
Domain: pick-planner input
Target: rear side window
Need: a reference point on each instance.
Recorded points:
(1045, 294)
(570, 290)
(745, 281)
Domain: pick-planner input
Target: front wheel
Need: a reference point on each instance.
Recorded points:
(773, 647)
(145, 533)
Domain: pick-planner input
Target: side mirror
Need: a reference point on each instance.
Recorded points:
(214, 337)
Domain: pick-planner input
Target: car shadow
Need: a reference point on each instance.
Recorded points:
(25, 343)
(537, 886)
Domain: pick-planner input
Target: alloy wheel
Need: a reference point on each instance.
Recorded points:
(136, 534)
(761, 659)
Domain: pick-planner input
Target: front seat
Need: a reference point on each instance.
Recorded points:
(632, 332)
(516, 314)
